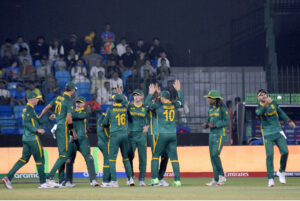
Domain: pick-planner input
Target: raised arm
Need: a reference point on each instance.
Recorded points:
(45, 110)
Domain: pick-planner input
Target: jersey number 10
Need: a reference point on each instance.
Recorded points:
(170, 115)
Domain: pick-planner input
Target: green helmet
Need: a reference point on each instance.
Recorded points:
(213, 94)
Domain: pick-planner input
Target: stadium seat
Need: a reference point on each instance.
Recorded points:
(12, 86)
(83, 88)
(39, 109)
(62, 78)
(5, 111)
(87, 96)
(9, 130)
(51, 96)
(18, 111)
(104, 108)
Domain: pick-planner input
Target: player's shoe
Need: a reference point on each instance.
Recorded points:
(155, 182)
(114, 184)
(52, 182)
(281, 176)
(212, 183)
(150, 183)
(163, 182)
(94, 183)
(176, 183)
(130, 182)
(7, 183)
(221, 181)
(142, 183)
(45, 185)
(69, 184)
(271, 183)
(106, 185)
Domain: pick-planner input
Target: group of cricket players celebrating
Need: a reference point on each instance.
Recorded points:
(127, 126)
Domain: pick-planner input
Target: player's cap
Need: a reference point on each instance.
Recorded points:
(138, 92)
(70, 86)
(117, 98)
(33, 95)
(81, 99)
(165, 94)
(259, 92)
(213, 94)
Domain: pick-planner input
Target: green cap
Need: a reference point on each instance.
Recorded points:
(117, 98)
(213, 94)
(165, 94)
(138, 92)
(70, 86)
(81, 99)
(33, 95)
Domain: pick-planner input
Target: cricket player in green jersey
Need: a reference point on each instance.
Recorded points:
(269, 113)
(31, 143)
(103, 138)
(152, 136)
(166, 139)
(116, 118)
(137, 133)
(63, 111)
(79, 116)
(217, 121)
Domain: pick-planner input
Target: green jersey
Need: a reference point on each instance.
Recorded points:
(153, 129)
(116, 118)
(269, 118)
(218, 116)
(30, 123)
(165, 113)
(137, 117)
(79, 117)
(63, 105)
(102, 132)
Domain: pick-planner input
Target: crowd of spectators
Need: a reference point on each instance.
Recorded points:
(97, 64)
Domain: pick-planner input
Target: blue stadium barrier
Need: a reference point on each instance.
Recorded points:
(83, 87)
(18, 111)
(87, 96)
(5, 111)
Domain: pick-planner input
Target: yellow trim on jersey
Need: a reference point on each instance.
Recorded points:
(106, 166)
(126, 159)
(30, 105)
(155, 158)
(108, 145)
(62, 156)
(151, 129)
(138, 106)
(85, 127)
(40, 148)
(79, 109)
(22, 160)
(223, 131)
(40, 163)
(175, 161)
(220, 143)
(105, 131)
(66, 133)
(117, 104)
(32, 121)
(112, 160)
(271, 113)
(66, 93)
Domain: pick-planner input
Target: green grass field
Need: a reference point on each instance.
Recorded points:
(193, 188)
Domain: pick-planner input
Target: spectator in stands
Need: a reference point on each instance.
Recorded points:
(72, 58)
(149, 67)
(7, 58)
(132, 82)
(104, 94)
(163, 79)
(98, 82)
(128, 60)
(4, 93)
(51, 84)
(95, 69)
(79, 72)
(18, 96)
(147, 80)
(60, 63)
(114, 56)
(108, 39)
(141, 59)
(89, 43)
(24, 54)
(39, 49)
(56, 49)
(115, 81)
(73, 44)
(139, 47)
(44, 70)
(163, 55)
(91, 58)
(7, 46)
(112, 67)
(13, 72)
(155, 49)
(28, 71)
(19, 45)
(62, 76)
(163, 67)
(93, 109)
(32, 87)
(121, 47)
